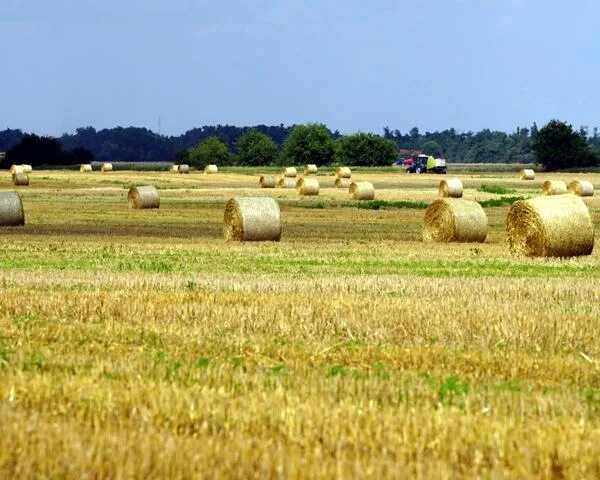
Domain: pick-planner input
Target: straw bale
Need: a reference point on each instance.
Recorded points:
(15, 168)
(452, 188)
(289, 172)
(183, 168)
(310, 169)
(27, 168)
(583, 188)
(286, 182)
(307, 186)
(343, 172)
(106, 167)
(21, 178)
(252, 219)
(267, 181)
(343, 182)
(11, 209)
(174, 168)
(143, 197)
(210, 169)
(554, 226)
(527, 174)
(362, 190)
(85, 167)
(455, 220)
(554, 187)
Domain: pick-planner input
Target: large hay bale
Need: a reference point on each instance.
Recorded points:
(252, 219)
(106, 167)
(554, 226)
(452, 188)
(20, 178)
(11, 210)
(183, 168)
(27, 168)
(143, 197)
(211, 169)
(343, 182)
(307, 186)
(527, 174)
(343, 172)
(362, 190)
(289, 172)
(174, 168)
(310, 169)
(267, 181)
(15, 168)
(554, 187)
(455, 220)
(286, 182)
(583, 188)
(85, 167)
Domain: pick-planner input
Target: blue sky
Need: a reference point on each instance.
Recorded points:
(354, 65)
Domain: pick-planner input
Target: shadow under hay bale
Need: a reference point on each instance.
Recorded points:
(583, 188)
(554, 187)
(527, 174)
(106, 167)
(451, 188)
(307, 186)
(343, 172)
(554, 226)
(267, 181)
(310, 169)
(211, 169)
(455, 220)
(20, 178)
(85, 167)
(143, 197)
(290, 172)
(11, 210)
(362, 191)
(286, 182)
(252, 219)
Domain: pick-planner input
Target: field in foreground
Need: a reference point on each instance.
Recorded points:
(138, 344)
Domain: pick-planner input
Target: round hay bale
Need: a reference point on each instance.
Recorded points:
(106, 167)
(252, 219)
(362, 191)
(286, 182)
(554, 226)
(310, 169)
(583, 188)
(343, 172)
(143, 197)
(15, 168)
(183, 168)
(27, 168)
(455, 220)
(267, 181)
(342, 182)
(21, 178)
(452, 188)
(174, 168)
(211, 169)
(290, 172)
(307, 186)
(554, 187)
(85, 167)
(11, 210)
(527, 174)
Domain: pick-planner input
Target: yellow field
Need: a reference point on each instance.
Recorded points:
(138, 344)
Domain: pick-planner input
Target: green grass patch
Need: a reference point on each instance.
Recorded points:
(377, 204)
(496, 189)
(499, 202)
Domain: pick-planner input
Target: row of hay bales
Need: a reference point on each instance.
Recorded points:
(453, 188)
(307, 186)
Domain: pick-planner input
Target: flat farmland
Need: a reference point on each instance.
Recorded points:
(140, 344)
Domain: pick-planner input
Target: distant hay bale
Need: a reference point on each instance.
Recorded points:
(15, 168)
(307, 186)
(21, 178)
(342, 182)
(143, 197)
(289, 172)
(554, 187)
(27, 168)
(174, 168)
(452, 188)
(310, 169)
(554, 226)
(11, 210)
(362, 190)
(2, 155)
(527, 174)
(343, 172)
(211, 169)
(583, 188)
(286, 182)
(183, 168)
(252, 219)
(106, 167)
(267, 181)
(85, 167)
(455, 220)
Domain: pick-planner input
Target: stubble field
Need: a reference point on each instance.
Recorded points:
(139, 344)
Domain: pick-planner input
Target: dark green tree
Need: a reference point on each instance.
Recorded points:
(310, 143)
(256, 149)
(365, 149)
(431, 147)
(35, 150)
(558, 146)
(211, 150)
(82, 155)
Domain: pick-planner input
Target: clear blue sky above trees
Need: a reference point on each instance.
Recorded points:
(351, 64)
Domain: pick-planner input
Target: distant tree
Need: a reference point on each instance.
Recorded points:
(558, 146)
(431, 147)
(182, 156)
(82, 155)
(310, 143)
(365, 149)
(256, 149)
(35, 150)
(211, 150)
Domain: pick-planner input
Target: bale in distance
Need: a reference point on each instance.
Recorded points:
(211, 169)
(554, 187)
(183, 168)
(11, 210)
(27, 168)
(250, 219)
(583, 188)
(343, 182)
(143, 197)
(452, 188)
(310, 169)
(21, 178)
(174, 168)
(527, 174)
(307, 186)
(362, 190)
(554, 226)
(343, 172)
(290, 172)
(286, 182)
(15, 168)
(106, 167)
(85, 167)
(267, 181)
(455, 220)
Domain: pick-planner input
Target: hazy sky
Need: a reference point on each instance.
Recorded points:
(352, 64)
